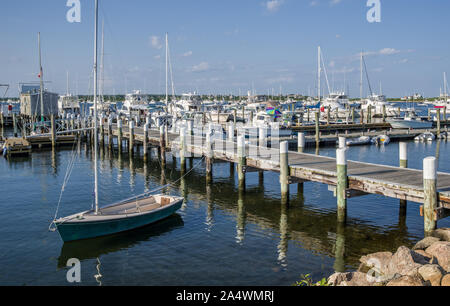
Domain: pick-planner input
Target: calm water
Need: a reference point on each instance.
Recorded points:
(218, 238)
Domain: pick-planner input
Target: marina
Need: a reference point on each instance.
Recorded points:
(209, 176)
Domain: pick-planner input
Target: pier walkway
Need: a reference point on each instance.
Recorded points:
(363, 178)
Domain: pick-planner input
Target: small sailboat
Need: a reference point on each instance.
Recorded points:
(120, 217)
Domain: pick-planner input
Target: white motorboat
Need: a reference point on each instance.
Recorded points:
(363, 140)
(410, 121)
(429, 137)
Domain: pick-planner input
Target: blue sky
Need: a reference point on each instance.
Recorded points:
(227, 46)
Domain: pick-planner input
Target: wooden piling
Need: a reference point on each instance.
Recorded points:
(284, 171)
(230, 133)
(317, 114)
(430, 194)
(15, 124)
(301, 142)
(342, 184)
(209, 158)
(342, 142)
(162, 145)
(262, 137)
(242, 161)
(403, 156)
(182, 150)
(438, 115)
(145, 142)
(131, 137)
(119, 135)
(53, 130)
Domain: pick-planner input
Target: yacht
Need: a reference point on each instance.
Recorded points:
(271, 122)
(68, 104)
(335, 100)
(137, 104)
(189, 102)
(377, 102)
(410, 121)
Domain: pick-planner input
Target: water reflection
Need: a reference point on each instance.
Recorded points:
(210, 210)
(95, 248)
(339, 249)
(241, 219)
(283, 245)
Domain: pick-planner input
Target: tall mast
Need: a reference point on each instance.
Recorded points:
(445, 87)
(318, 72)
(102, 67)
(95, 108)
(67, 79)
(41, 76)
(361, 79)
(167, 71)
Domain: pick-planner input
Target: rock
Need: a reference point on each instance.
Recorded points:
(350, 279)
(431, 273)
(337, 278)
(430, 258)
(425, 243)
(406, 281)
(442, 234)
(441, 250)
(378, 264)
(445, 282)
(405, 262)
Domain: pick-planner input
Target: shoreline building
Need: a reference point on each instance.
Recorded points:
(30, 101)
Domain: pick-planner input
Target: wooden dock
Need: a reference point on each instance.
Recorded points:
(363, 178)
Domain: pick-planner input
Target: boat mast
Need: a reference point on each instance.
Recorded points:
(167, 71)
(445, 87)
(67, 85)
(102, 67)
(318, 72)
(41, 76)
(95, 109)
(361, 77)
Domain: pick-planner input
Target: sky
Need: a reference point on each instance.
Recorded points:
(229, 46)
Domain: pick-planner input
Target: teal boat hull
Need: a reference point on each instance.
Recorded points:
(72, 231)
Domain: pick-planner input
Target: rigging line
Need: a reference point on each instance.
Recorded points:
(69, 170)
(325, 71)
(367, 76)
(167, 185)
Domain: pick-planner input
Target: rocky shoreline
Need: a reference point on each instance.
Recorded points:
(426, 264)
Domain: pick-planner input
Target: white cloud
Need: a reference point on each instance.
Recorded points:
(314, 3)
(204, 66)
(334, 2)
(388, 51)
(273, 5)
(186, 54)
(155, 42)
